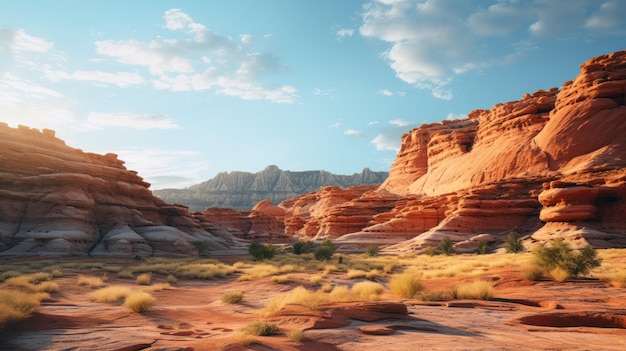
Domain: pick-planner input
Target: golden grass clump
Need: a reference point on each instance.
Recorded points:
(617, 280)
(110, 293)
(316, 279)
(406, 285)
(36, 282)
(296, 335)
(261, 328)
(326, 288)
(297, 296)
(90, 281)
(356, 273)
(16, 305)
(144, 279)
(281, 279)
(476, 290)
(368, 291)
(126, 274)
(139, 301)
(171, 279)
(232, 297)
(532, 272)
(559, 274)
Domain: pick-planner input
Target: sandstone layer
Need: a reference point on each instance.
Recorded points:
(551, 165)
(59, 200)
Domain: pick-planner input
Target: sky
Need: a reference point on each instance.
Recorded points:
(183, 90)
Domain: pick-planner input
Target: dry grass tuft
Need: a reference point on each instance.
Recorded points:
(139, 301)
(16, 306)
(110, 294)
(232, 297)
(144, 279)
(261, 328)
(406, 285)
(92, 282)
(476, 290)
(560, 274)
(368, 291)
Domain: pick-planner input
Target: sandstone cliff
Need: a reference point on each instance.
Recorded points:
(60, 200)
(551, 165)
(243, 190)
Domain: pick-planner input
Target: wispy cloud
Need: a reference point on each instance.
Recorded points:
(431, 42)
(121, 79)
(97, 120)
(323, 92)
(354, 133)
(202, 60)
(165, 168)
(390, 135)
(387, 92)
(344, 32)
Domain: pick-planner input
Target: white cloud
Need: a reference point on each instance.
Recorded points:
(323, 92)
(202, 60)
(390, 136)
(164, 168)
(387, 92)
(354, 133)
(453, 116)
(97, 120)
(121, 79)
(19, 41)
(430, 42)
(344, 32)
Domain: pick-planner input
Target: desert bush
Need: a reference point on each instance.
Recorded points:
(47, 287)
(316, 279)
(482, 248)
(445, 247)
(36, 282)
(373, 274)
(232, 297)
(476, 290)
(9, 274)
(406, 285)
(325, 250)
(302, 246)
(326, 288)
(561, 255)
(296, 335)
(296, 296)
(261, 328)
(532, 272)
(139, 301)
(372, 250)
(16, 306)
(126, 274)
(90, 281)
(171, 279)
(281, 279)
(560, 275)
(513, 244)
(368, 291)
(110, 294)
(144, 279)
(356, 273)
(260, 251)
(204, 270)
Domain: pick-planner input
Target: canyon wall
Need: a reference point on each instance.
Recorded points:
(59, 200)
(551, 165)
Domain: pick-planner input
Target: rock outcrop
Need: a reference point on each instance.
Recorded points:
(243, 190)
(60, 200)
(551, 165)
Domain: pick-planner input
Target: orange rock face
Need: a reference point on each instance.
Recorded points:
(60, 200)
(551, 165)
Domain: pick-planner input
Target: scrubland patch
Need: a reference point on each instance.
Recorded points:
(476, 290)
(90, 281)
(16, 305)
(139, 301)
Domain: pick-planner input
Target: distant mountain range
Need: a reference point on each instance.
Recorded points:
(243, 190)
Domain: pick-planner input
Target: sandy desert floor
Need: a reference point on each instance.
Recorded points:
(585, 314)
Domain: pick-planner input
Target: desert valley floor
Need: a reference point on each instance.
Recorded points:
(582, 314)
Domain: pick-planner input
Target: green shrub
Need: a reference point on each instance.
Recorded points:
(445, 247)
(261, 251)
(372, 250)
(261, 328)
(325, 250)
(232, 297)
(302, 246)
(483, 247)
(513, 244)
(561, 255)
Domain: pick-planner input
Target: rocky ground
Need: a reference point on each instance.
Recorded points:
(584, 314)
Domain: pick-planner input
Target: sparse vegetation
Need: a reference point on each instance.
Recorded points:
(302, 246)
(261, 328)
(90, 281)
(446, 247)
(513, 244)
(110, 294)
(482, 248)
(532, 272)
(561, 255)
(372, 250)
(139, 301)
(232, 297)
(296, 335)
(476, 290)
(260, 251)
(144, 279)
(325, 251)
(406, 285)
(16, 306)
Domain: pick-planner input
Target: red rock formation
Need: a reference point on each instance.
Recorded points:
(60, 200)
(484, 174)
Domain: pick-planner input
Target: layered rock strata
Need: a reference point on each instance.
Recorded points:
(60, 200)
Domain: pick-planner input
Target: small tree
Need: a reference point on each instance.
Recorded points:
(372, 250)
(513, 244)
(482, 248)
(325, 251)
(560, 255)
(261, 251)
(302, 246)
(445, 246)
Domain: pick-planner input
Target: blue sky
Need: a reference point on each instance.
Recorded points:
(182, 90)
